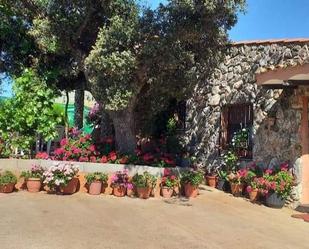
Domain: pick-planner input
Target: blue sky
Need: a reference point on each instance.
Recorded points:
(264, 19)
(268, 19)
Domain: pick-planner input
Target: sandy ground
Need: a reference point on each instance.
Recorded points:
(213, 220)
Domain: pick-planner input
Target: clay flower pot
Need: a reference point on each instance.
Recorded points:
(236, 189)
(95, 188)
(211, 181)
(143, 193)
(70, 188)
(253, 195)
(119, 191)
(130, 192)
(167, 192)
(34, 185)
(191, 191)
(7, 188)
(176, 190)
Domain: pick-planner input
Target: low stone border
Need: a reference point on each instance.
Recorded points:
(19, 165)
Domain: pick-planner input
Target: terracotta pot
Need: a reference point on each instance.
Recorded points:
(191, 191)
(7, 188)
(70, 188)
(119, 191)
(176, 190)
(95, 188)
(236, 189)
(167, 192)
(130, 192)
(211, 181)
(143, 193)
(253, 195)
(34, 185)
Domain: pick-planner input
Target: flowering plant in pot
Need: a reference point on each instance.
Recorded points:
(168, 183)
(279, 186)
(237, 180)
(61, 177)
(7, 182)
(34, 178)
(254, 188)
(144, 184)
(120, 179)
(191, 180)
(211, 176)
(95, 182)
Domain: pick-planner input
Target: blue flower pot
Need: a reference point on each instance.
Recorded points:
(274, 201)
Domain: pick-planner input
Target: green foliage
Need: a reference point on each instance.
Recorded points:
(144, 180)
(230, 160)
(195, 178)
(30, 111)
(96, 176)
(7, 177)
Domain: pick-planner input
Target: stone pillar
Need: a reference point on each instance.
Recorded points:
(305, 152)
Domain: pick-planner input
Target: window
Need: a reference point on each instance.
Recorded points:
(233, 119)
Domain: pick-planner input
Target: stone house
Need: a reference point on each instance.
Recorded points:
(262, 86)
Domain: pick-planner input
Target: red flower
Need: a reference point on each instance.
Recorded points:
(82, 139)
(124, 160)
(88, 136)
(173, 177)
(63, 142)
(92, 148)
(163, 179)
(148, 157)
(93, 159)
(112, 156)
(268, 171)
(167, 172)
(103, 159)
(249, 189)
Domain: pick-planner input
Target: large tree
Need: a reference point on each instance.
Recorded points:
(126, 52)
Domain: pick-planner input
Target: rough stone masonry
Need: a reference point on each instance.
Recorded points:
(233, 82)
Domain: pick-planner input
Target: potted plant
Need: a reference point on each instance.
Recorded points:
(7, 182)
(61, 178)
(222, 180)
(279, 185)
(144, 184)
(253, 189)
(211, 177)
(191, 180)
(33, 178)
(95, 182)
(168, 184)
(119, 183)
(237, 181)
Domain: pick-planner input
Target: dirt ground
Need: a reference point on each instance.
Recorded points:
(213, 220)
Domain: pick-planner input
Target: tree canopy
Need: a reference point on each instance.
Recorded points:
(124, 51)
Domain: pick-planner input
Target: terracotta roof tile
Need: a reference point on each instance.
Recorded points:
(270, 41)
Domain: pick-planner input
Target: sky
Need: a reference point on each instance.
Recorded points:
(264, 19)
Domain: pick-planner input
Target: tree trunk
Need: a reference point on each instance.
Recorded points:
(66, 119)
(123, 122)
(79, 108)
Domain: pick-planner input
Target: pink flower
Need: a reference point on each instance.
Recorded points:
(167, 172)
(268, 171)
(63, 142)
(93, 159)
(92, 148)
(103, 159)
(249, 189)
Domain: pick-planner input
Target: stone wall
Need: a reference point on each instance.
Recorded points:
(233, 82)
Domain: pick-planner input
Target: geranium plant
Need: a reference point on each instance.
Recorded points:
(145, 180)
(95, 177)
(238, 177)
(36, 171)
(7, 178)
(170, 181)
(193, 177)
(60, 174)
